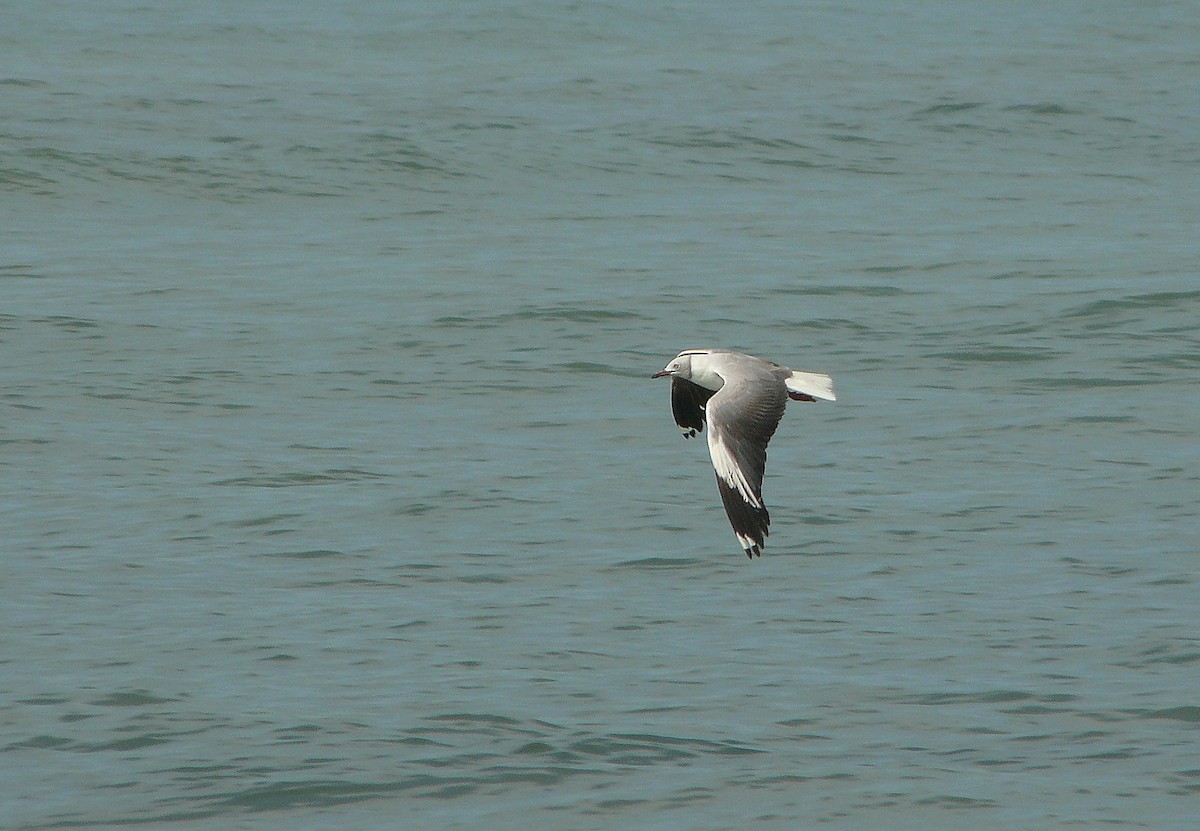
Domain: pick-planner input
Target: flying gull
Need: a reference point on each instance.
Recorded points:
(742, 398)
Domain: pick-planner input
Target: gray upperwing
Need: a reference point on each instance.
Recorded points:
(742, 418)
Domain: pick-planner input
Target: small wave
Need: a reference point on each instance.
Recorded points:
(998, 354)
(300, 479)
(1154, 300)
(661, 563)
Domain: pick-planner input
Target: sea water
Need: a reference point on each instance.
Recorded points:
(335, 492)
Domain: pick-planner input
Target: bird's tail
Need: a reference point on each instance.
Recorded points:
(809, 386)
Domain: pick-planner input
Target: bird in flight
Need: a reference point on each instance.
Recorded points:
(742, 398)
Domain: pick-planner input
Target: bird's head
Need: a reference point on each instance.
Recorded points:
(681, 366)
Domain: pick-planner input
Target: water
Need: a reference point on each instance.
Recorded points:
(335, 491)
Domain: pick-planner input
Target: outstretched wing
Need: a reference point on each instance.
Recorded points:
(688, 401)
(742, 417)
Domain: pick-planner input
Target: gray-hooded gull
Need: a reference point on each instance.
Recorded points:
(742, 398)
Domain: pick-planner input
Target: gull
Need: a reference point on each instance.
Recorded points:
(742, 398)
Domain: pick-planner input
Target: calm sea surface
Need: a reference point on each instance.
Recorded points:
(334, 492)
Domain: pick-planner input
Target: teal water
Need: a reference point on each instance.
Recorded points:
(335, 491)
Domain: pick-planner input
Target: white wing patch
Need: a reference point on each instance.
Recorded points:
(727, 468)
(748, 545)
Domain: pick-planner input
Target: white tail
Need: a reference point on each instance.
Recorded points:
(810, 385)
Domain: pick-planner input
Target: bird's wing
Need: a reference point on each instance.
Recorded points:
(742, 417)
(687, 405)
